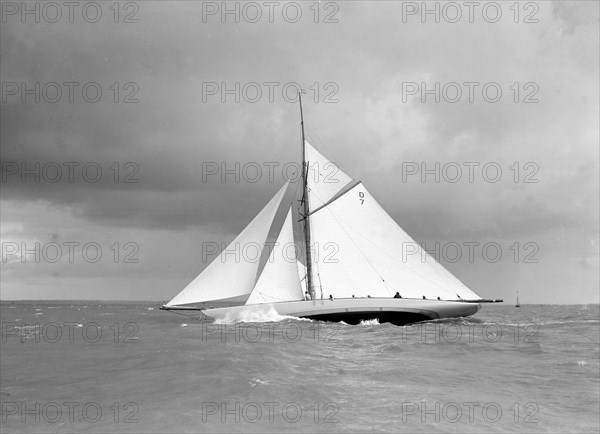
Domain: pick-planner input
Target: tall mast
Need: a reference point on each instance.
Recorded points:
(309, 283)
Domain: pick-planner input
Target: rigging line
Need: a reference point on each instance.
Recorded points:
(444, 278)
(294, 199)
(445, 275)
(315, 192)
(323, 145)
(402, 264)
(356, 245)
(393, 258)
(285, 139)
(285, 143)
(345, 189)
(320, 285)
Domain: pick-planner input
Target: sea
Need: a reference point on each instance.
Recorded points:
(99, 367)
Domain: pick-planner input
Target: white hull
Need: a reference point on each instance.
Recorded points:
(398, 311)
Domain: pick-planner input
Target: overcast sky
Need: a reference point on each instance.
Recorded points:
(368, 116)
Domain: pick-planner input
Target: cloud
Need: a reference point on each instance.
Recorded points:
(169, 139)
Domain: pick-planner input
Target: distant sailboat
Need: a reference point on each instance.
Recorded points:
(518, 304)
(370, 264)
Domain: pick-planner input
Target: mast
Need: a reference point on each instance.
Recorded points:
(306, 208)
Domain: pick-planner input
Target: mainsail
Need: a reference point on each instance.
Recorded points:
(361, 251)
(231, 274)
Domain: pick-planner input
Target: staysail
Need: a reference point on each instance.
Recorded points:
(363, 252)
(279, 278)
(232, 274)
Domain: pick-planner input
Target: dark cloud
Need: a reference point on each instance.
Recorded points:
(171, 134)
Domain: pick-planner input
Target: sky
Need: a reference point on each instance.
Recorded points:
(114, 120)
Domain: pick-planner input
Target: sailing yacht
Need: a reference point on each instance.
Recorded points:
(518, 304)
(377, 272)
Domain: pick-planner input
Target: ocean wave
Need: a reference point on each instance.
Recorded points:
(258, 313)
(541, 323)
(256, 381)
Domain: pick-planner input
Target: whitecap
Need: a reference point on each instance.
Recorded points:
(256, 381)
(183, 325)
(369, 322)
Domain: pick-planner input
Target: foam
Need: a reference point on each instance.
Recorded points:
(256, 313)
